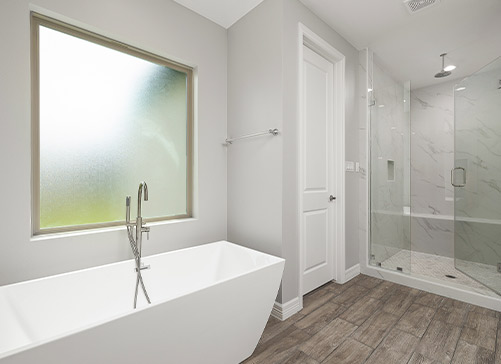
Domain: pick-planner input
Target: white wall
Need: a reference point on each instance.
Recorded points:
(255, 104)
(159, 26)
(262, 173)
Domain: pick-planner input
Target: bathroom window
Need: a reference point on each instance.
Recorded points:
(105, 117)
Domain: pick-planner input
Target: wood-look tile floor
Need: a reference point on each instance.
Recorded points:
(368, 320)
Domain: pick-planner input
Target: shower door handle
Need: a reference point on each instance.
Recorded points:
(464, 177)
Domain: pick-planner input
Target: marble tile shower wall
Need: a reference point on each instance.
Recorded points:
(432, 157)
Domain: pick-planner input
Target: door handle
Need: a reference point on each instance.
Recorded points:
(331, 198)
(464, 177)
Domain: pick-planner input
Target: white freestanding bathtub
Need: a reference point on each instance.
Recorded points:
(210, 304)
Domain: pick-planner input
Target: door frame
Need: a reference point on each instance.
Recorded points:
(310, 39)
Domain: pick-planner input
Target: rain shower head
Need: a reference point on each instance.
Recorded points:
(413, 6)
(443, 72)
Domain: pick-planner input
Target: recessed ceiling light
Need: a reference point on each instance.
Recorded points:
(450, 67)
(369, 89)
(381, 105)
(461, 88)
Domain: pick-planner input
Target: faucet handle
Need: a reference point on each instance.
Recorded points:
(146, 229)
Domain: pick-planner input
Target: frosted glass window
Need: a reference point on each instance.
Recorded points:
(107, 117)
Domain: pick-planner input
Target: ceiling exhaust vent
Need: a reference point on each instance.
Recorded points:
(413, 6)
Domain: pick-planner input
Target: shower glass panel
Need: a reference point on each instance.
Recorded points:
(477, 176)
(390, 172)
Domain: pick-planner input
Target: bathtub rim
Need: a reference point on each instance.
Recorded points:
(34, 344)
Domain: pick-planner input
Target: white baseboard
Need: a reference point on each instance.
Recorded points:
(351, 273)
(283, 311)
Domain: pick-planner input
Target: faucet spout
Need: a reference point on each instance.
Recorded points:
(142, 186)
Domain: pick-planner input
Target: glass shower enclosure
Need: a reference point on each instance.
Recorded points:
(476, 176)
(390, 172)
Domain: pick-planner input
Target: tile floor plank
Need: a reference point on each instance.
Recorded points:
(349, 352)
(366, 281)
(429, 299)
(373, 331)
(275, 327)
(400, 301)
(439, 341)
(361, 311)
(279, 348)
(416, 319)
(300, 358)
(350, 295)
(417, 358)
(449, 303)
(315, 321)
(485, 311)
(320, 345)
(452, 315)
(315, 299)
(383, 291)
(336, 288)
(472, 354)
(396, 348)
(480, 330)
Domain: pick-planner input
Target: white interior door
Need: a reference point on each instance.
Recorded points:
(317, 187)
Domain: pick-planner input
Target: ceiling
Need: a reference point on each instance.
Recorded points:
(407, 45)
(222, 12)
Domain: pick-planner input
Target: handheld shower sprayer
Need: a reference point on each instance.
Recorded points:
(127, 209)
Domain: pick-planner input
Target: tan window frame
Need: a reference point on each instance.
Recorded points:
(36, 21)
